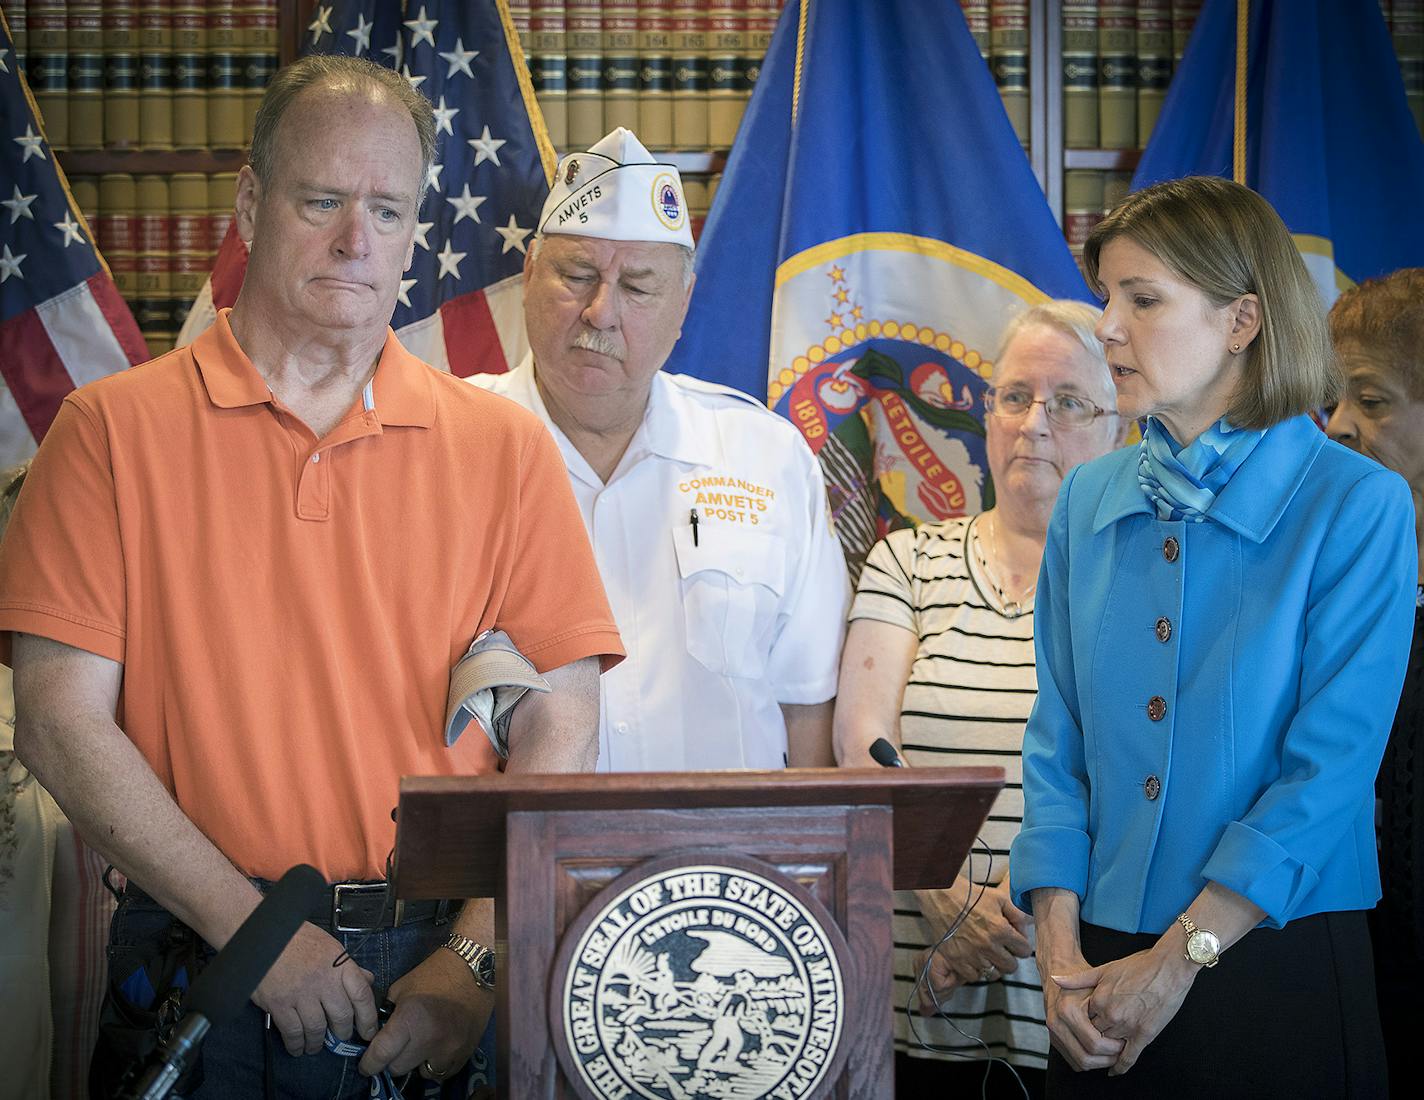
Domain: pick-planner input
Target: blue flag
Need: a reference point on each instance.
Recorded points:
(461, 302)
(877, 226)
(1331, 142)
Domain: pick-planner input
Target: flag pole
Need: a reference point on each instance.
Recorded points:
(1238, 153)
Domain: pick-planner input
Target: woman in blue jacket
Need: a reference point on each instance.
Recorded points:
(1224, 617)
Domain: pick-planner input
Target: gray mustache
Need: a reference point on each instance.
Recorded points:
(590, 339)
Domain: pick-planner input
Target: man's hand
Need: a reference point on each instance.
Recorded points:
(993, 936)
(440, 1016)
(306, 995)
(1132, 999)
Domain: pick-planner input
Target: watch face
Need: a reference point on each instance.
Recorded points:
(484, 969)
(1203, 947)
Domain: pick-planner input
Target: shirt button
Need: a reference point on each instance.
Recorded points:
(1164, 629)
(1156, 708)
(621, 727)
(1152, 787)
(1171, 549)
(316, 457)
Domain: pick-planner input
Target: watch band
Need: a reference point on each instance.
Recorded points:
(478, 957)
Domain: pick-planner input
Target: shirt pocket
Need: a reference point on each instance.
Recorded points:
(732, 583)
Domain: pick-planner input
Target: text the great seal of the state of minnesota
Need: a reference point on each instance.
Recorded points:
(703, 981)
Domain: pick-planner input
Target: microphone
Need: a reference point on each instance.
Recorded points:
(884, 754)
(220, 991)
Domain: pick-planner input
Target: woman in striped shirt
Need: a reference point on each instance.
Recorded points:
(939, 661)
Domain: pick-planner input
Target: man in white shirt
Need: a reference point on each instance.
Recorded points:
(707, 512)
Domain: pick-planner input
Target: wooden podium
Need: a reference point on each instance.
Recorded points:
(679, 935)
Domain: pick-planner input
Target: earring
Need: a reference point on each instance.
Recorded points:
(1235, 348)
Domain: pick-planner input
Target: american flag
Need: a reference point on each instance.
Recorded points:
(460, 304)
(62, 321)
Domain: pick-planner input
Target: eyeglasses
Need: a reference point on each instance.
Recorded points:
(1067, 410)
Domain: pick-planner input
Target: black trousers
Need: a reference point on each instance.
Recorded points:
(1287, 1012)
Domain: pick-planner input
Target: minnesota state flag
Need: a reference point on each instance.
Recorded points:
(1330, 140)
(877, 226)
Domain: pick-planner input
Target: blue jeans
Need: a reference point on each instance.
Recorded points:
(235, 1056)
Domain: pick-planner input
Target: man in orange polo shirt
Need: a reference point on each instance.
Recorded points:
(238, 579)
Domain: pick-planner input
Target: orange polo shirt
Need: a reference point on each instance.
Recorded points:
(288, 609)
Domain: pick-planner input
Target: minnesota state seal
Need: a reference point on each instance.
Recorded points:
(711, 979)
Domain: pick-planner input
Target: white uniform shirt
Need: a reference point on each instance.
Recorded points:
(719, 628)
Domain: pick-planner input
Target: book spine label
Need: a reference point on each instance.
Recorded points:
(1008, 44)
(155, 45)
(121, 74)
(726, 76)
(1080, 75)
(86, 74)
(655, 75)
(190, 75)
(549, 67)
(258, 22)
(620, 64)
(1117, 75)
(585, 40)
(117, 230)
(47, 67)
(689, 74)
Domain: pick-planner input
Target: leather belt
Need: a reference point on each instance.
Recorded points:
(349, 907)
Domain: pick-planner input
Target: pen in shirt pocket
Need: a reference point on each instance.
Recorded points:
(693, 518)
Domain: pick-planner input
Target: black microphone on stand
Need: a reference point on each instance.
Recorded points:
(884, 754)
(220, 991)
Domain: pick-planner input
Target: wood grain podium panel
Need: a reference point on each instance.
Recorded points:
(450, 846)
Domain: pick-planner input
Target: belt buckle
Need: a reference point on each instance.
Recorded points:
(343, 890)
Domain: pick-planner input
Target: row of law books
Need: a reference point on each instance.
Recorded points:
(159, 235)
(677, 72)
(1118, 59)
(146, 74)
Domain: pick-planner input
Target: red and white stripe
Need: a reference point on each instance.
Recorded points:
(73, 338)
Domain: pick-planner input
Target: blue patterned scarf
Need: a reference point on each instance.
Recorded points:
(1182, 482)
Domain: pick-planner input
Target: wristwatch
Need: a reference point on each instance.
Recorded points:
(1202, 946)
(478, 957)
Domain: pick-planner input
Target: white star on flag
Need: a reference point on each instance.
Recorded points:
(486, 148)
(443, 115)
(421, 229)
(3, 67)
(432, 176)
(449, 261)
(32, 143)
(20, 206)
(415, 81)
(396, 52)
(422, 29)
(10, 264)
(362, 33)
(513, 236)
(459, 59)
(466, 206)
(322, 23)
(405, 285)
(70, 228)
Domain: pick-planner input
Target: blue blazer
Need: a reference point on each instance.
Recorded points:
(1214, 698)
